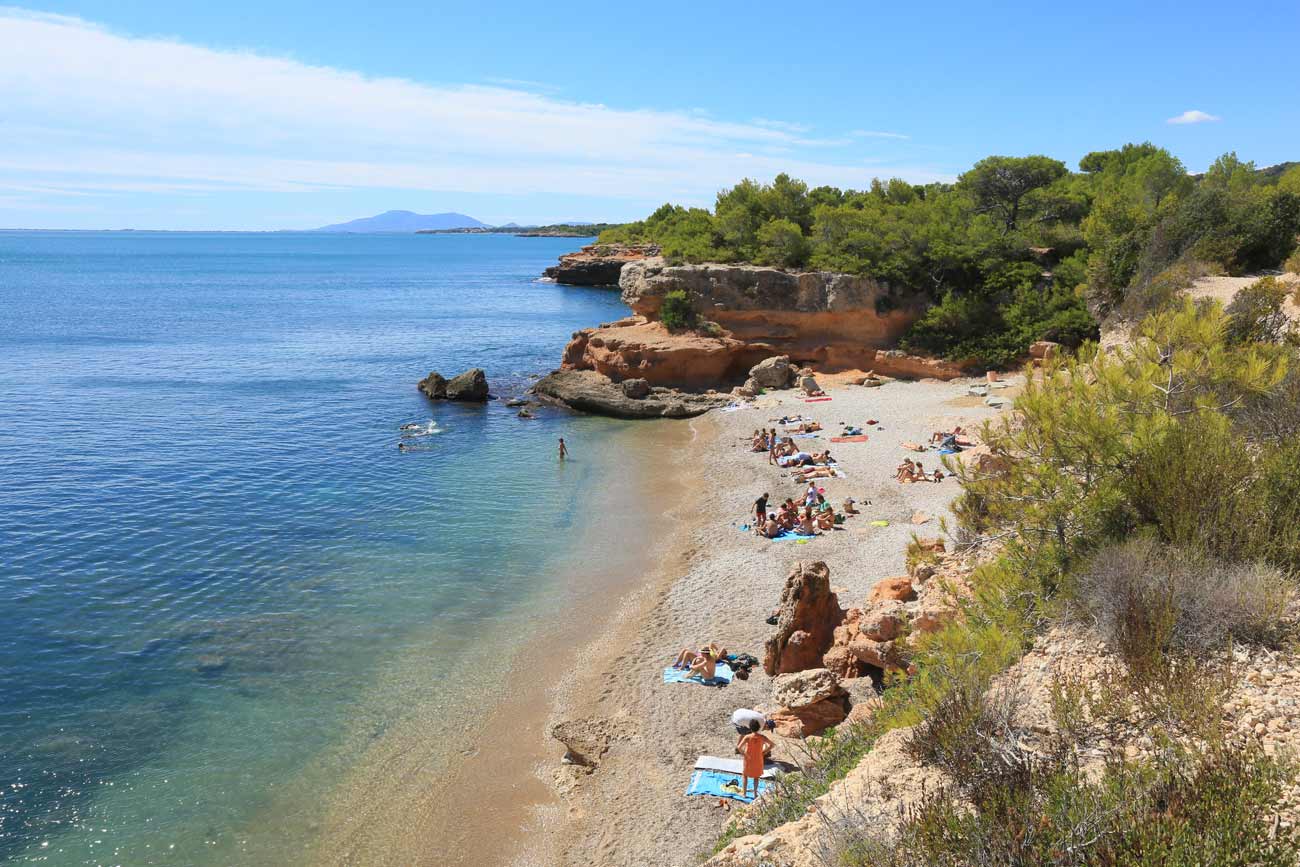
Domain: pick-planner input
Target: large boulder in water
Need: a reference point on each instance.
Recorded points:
(434, 386)
(472, 386)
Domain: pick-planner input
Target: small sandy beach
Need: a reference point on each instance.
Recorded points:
(716, 582)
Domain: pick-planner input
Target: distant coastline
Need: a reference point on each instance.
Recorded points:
(559, 230)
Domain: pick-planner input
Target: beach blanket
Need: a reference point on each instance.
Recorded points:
(814, 399)
(722, 674)
(716, 784)
(803, 436)
(856, 438)
(948, 451)
(787, 535)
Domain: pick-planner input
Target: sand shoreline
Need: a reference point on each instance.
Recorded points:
(715, 582)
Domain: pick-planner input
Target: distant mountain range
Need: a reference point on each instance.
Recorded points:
(406, 221)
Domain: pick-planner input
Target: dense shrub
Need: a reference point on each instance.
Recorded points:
(1142, 595)
(1255, 314)
(677, 312)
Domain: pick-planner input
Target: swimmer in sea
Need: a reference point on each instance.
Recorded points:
(564, 450)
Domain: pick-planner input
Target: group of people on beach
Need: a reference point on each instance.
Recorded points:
(813, 517)
(912, 471)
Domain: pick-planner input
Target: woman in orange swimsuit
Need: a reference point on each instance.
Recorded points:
(754, 747)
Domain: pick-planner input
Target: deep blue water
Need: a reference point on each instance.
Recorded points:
(210, 546)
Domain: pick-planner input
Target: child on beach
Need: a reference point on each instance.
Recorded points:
(564, 450)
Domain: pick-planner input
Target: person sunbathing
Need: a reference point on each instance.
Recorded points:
(705, 665)
(807, 526)
(690, 657)
(771, 528)
(941, 435)
(808, 427)
(823, 458)
(809, 473)
(850, 507)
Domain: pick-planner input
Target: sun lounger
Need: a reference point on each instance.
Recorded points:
(722, 674)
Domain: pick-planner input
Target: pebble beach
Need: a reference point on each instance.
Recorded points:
(717, 582)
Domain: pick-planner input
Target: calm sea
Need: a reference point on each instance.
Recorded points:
(217, 571)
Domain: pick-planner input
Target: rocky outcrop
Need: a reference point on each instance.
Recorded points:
(470, 386)
(590, 391)
(806, 621)
(821, 319)
(598, 264)
(433, 386)
(808, 702)
(636, 348)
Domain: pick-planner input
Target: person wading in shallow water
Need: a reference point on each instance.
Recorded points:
(564, 450)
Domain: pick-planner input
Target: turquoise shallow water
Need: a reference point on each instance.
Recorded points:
(216, 568)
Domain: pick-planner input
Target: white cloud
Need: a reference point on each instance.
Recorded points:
(871, 133)
(89, 109)
(1193, 116)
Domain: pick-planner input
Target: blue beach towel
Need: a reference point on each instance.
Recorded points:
(947, 451)
(787, 535)
(710, 783)
(722, 674)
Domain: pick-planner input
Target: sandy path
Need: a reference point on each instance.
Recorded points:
(720, 583)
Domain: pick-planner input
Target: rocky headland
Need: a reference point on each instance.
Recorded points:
(746, 314)
(598, 264)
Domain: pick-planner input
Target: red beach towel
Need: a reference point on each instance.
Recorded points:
(814, 399)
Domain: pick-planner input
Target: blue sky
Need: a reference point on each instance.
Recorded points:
(271, 115)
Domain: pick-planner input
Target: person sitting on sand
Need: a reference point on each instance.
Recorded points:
(771, 528)
(938, 475)
(690, 654)
(849, 506)
(905, 470)
(807, 526)
(755, 748)
(941, 435)
(705, 663)
(825, 515)
(823, 458)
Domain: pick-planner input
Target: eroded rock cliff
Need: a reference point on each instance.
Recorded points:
(598, 264)
(826, 320)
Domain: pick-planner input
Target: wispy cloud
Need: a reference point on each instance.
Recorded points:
(871, 133)
(90, 109)
(1193, 116)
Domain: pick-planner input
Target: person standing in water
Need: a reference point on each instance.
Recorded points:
(564, 450)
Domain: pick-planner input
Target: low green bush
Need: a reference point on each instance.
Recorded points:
(677, 312)
(1184, 808)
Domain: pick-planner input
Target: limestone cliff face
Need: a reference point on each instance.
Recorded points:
(827, 320)
(830, 320)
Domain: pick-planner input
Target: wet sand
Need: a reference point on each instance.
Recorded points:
(423, 793)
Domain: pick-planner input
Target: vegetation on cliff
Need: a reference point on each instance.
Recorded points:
(1148, 496)
(1016, 250)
